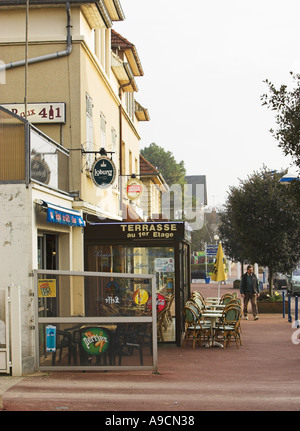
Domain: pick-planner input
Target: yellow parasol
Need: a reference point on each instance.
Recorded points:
(219, 272)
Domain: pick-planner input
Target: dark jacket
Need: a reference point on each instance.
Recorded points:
(244, 287)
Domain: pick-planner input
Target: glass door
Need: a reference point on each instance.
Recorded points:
(47, 259)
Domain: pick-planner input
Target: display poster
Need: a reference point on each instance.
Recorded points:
(47, 288)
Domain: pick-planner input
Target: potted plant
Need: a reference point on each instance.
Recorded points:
(270, 303)
(236, 284)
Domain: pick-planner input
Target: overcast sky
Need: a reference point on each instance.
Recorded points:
(204, 65)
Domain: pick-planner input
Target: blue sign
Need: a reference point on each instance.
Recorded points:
(61, 215)
(211, 249)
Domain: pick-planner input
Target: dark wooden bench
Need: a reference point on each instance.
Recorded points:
(198, 275)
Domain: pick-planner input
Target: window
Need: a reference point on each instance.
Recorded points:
(130, 163)
(89, 130)
(113, 145)
(129, 104)
(102, 131)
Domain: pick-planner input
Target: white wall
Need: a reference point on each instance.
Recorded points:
(16, 258)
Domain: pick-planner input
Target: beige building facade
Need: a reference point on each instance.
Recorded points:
(68, 94)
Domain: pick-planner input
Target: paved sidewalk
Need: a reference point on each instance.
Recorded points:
(262, 375)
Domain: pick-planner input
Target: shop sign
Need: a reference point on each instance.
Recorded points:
(103, 172)
(95, 341)
(140, 296)
(149, 230)
(47, 288)
(164, 265)
(134, 188)
(40, 112)
(160, 302)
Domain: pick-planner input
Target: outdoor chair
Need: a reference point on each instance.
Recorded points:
(199, 299)
(238, 303)
(226, 298)
(162, 324)
(235, 301)
(130, 342)
(198, 302)
(134, 337)
(64, 341)
(195, 328)
(228, 326)
(169, 302)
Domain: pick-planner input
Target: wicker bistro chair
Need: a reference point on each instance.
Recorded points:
(237, 302)
(162, 323)
(229, 326)
(199, 295)
(198, 298)
(169, 302)
(195, 328)
(226, 298)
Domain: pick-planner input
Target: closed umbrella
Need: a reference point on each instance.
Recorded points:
(219, 272)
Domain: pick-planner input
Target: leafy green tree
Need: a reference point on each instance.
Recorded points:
(164, 161)
(287, 106)
(260, 223)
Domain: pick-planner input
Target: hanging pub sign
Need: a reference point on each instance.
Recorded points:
(134, 188)
(103, 172)
(53, 112)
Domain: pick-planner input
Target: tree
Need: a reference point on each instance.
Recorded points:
(206, 233)
(287, 105)
(260, 223)
(164, 161)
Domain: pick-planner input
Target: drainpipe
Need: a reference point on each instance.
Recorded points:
(47, 56)
(120, 140)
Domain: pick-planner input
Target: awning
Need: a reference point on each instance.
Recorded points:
(62, 215)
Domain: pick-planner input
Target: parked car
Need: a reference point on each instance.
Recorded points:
(280, 281)
(293, 286)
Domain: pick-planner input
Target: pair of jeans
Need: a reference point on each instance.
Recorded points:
(252, 297)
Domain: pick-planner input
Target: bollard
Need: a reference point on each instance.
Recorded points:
(296, 312)
(283, 305)
(289, 310)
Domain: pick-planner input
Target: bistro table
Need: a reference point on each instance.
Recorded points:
(216, 300)
(213, 316)
(213, 307)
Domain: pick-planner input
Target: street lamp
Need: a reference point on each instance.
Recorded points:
(216, 238)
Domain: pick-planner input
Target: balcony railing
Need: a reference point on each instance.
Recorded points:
(26, 154)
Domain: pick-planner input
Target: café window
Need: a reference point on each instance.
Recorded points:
(135, 260)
